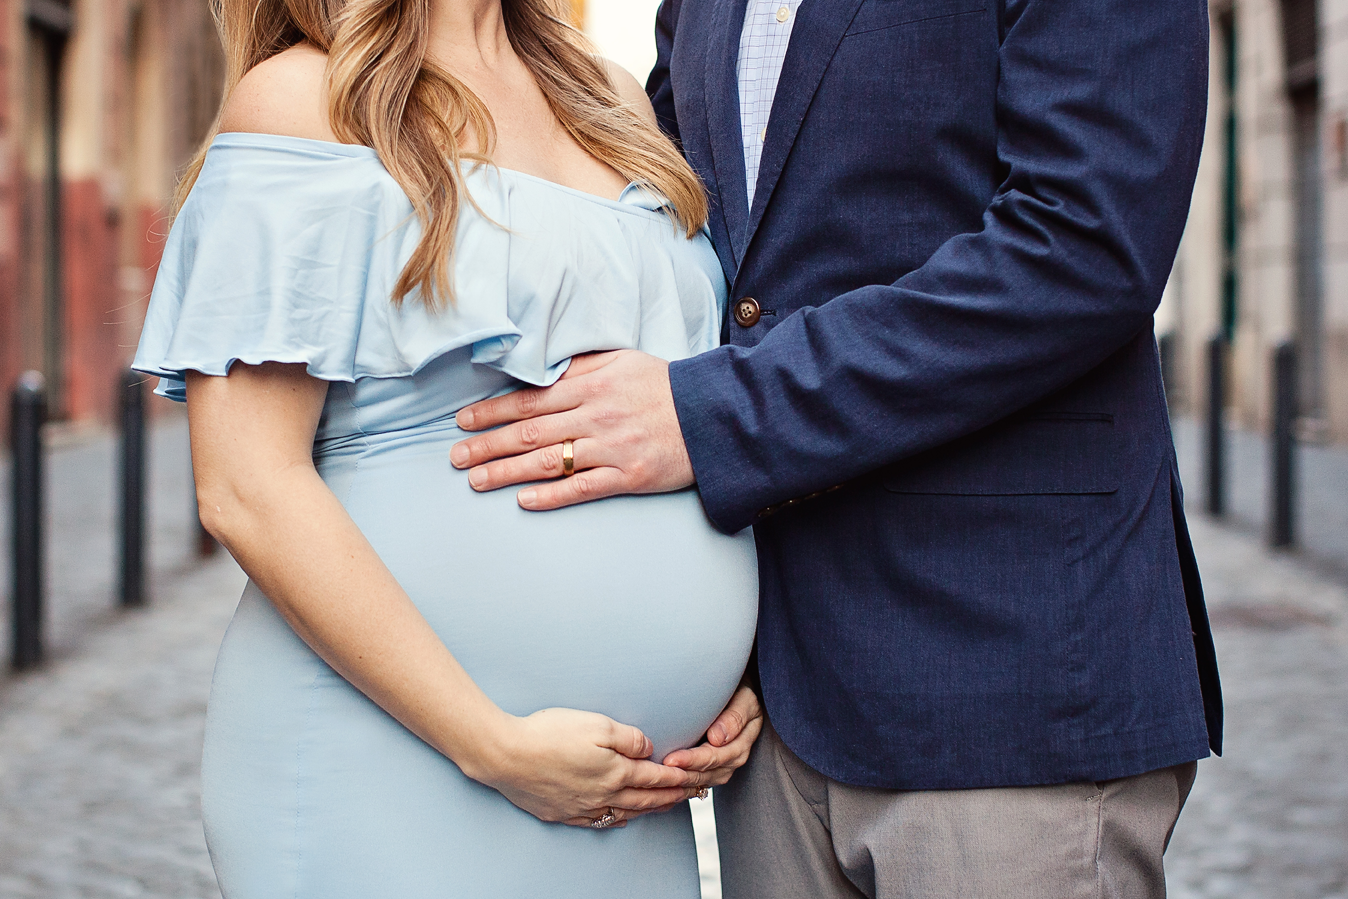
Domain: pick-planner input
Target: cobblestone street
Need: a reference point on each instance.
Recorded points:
(1270, 819)
(99, 751)
(99, 754)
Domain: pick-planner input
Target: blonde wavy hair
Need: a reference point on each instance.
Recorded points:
(384, 93)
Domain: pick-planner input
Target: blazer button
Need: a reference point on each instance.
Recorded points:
(747, 312)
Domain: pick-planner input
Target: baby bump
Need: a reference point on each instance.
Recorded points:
(634, 607)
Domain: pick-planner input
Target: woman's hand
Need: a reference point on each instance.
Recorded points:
(573, 767)
(729, 740)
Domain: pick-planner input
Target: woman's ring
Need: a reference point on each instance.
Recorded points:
(704, 793)
(569, 460)
(604, 821)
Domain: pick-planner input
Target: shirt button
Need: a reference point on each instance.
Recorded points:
(747, 312)
(782, 15)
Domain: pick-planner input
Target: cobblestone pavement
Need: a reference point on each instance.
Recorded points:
(1270, 819)
(99, 754)
(99, 751)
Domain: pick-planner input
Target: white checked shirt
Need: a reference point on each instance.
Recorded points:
(763, 43)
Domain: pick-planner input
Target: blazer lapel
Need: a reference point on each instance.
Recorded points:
(723, 119)
(814, 39)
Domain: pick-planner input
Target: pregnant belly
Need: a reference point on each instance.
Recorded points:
(634, 607)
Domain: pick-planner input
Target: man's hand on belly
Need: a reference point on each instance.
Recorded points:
(618, 411)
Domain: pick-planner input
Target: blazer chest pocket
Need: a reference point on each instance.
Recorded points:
(1047, 453)
(876, 15)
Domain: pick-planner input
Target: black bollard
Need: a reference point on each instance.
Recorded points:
(131, 393)
(27, 415)
(1216, 426)
(1282, 526)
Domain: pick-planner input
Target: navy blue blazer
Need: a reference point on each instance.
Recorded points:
(948, 426)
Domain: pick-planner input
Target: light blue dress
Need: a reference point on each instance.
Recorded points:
(287, 250)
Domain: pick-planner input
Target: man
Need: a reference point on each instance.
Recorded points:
(983, 648)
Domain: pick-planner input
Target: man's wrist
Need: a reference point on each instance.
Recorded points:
(702, 387)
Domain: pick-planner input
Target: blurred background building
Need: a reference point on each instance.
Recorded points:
(100, 102)
(1265, 256)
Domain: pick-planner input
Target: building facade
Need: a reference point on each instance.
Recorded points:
(1265, 256)
(101, 102)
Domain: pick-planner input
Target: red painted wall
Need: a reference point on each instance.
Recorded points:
(93, 351)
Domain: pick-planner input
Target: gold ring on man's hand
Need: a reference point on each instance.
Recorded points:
(568, 458)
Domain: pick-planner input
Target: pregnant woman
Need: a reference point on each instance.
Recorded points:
(412, 205)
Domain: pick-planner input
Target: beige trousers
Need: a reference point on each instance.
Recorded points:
(788, 832)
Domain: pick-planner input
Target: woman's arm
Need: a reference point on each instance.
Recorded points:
(260, 496)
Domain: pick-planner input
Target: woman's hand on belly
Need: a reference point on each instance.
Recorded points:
(729, 740)
(568, 766)
(259, 494)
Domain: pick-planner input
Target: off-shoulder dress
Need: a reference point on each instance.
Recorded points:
(287, 250)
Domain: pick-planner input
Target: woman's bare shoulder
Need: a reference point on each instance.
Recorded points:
(630, 90)
(286, 94)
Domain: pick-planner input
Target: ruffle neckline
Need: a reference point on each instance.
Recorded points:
(288, 250)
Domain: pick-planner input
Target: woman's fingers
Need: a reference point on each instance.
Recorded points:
(729, 740)
(744, 707)
(645, 800)
(587, 818)
(645, 775)
(706, 757)
(655, 802)
(627, 740)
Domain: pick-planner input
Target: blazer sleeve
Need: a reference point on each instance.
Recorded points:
(658, 86)
(1100, 111)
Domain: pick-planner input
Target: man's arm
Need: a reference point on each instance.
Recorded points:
(1100, 112)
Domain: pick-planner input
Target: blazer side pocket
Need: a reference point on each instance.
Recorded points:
(1046, 453)
(876, 15)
